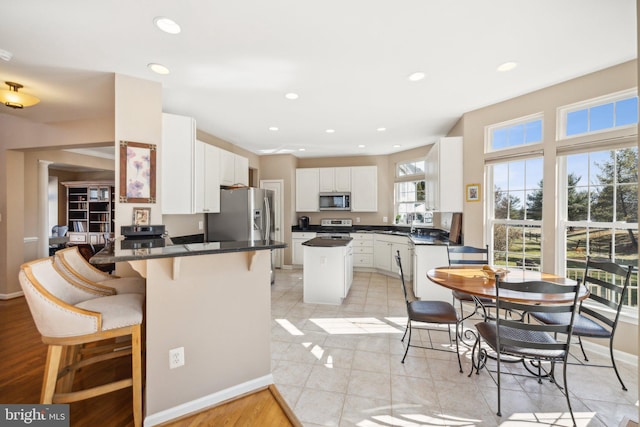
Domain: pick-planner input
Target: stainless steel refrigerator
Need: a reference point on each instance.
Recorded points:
(246, 214)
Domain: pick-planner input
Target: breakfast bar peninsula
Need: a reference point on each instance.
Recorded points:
(208, 307)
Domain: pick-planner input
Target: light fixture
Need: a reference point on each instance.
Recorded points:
(292, 95)
(14, 99)
(330, 131)
(167, 25)
(415, 77)
(302, 149)
(507, 66)
(158, 68)
(397, 145)
(361, 146)
(5, 55)
(381, 129)
(273, 128)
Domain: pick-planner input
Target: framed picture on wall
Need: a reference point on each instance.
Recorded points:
(137, 172)
(141, 216)
(473, 192)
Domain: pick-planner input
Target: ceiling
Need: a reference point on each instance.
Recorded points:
(349, 61)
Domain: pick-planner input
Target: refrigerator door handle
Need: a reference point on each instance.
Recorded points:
(267, 231)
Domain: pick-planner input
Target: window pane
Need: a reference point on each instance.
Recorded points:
(516, 135)
(516, 206)
(533, 131)
(499, 139)
(602, 203)
(516, 175)
(577, 203)
(532, 247)
(627, 112)
(578, 169)
(534, 172)
(419, 166)
(626, 250)
(576, 246)
(577, 122)
(501, 208)
(600, 242)
(627, 203)
(501, 176)
(599, 163)
(627, 165)
(601, 117)
(534, 204)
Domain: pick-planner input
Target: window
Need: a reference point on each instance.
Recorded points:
(410, 194)
(602, 114)
(516, 213)
(600, 210)
(515, 133)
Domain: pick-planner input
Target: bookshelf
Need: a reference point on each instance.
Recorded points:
(90, 210)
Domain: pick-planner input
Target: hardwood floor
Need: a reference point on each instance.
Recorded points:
(23, 357)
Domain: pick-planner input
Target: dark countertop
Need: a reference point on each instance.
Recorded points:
(115, 252)
(422, 236)
(328, 242)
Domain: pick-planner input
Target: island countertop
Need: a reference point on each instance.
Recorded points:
(328, 242)
(116, 252)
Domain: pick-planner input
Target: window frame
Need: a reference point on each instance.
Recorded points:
(526, 147)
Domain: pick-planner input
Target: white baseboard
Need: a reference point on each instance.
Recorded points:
(207, 401)
(11, 295)
(603, 350)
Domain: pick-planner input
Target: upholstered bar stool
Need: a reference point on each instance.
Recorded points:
(68, 317)
(72, 264)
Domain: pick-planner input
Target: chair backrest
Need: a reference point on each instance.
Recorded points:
(74, 261)
(404, 286)
(608, 283)
(518, 301)
(478, 255)
(51, 299)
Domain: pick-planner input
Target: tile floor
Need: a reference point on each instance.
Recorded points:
(340, 366)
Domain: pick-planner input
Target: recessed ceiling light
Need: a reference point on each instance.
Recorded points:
(158, 68)
(5, 55)
(273, 128)
(330, 131)
(417, 76)
(167, 25)
(507, 66)
(302, 149)
(381, 129)
(361, 146)
(292, 95)
(397, 145)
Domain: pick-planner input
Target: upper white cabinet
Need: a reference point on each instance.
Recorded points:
(207, 178)
(307, 190)
(364, 189)
(178, 164)
(234, 169)
(443, 176)
(335, 179)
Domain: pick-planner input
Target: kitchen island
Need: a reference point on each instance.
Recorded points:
(213, 301)
(328, 269)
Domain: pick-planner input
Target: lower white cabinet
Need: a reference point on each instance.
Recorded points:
(297, 250)
(328, 273)
(362, 250)
(426, 257)
(386, 247)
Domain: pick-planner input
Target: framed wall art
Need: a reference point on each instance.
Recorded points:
(473, 192)
(141, 216)
(137, 172)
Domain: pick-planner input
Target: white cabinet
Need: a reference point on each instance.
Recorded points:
(178, 164)
(234, 169)
(335, 179)
(241, 170)
(207, 179)
(362, 249)
(426, 257)
(364, 189)
(297, 250)
(443, 176)
(307, 190)
(385, 249)
(327, 276)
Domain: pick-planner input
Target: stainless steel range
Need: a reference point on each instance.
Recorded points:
(335, 227)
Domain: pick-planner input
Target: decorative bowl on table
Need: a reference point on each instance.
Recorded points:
(490, 272)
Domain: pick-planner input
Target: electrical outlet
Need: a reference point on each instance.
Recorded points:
(357, 219)
(385, 219)
(176, 357)
(200, 225)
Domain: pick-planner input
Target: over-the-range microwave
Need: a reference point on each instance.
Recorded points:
(335, 201)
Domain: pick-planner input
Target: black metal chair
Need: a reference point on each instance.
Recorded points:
(607, 296)
(526, 341)
(434, 312)
(479, 256)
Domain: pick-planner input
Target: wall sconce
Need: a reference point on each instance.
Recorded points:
(14, 99)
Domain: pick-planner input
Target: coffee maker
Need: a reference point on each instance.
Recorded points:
(303, 222)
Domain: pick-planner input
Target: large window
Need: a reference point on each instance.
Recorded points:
(516, 213)
(600, 210)
(604, 114)
(410, 194)
(514, 134)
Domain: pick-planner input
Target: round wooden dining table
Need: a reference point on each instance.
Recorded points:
(471, 280)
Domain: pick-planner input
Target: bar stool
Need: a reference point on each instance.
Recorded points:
(68, 317)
